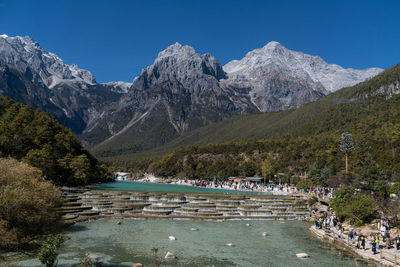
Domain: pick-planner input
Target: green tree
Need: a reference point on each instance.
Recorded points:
(268, 168)
(346, 146)
(48, 251)
(348, 204)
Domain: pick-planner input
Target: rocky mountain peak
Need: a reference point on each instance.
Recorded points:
(23, 53)
(274, 57)
(183, 64)
(177, 51)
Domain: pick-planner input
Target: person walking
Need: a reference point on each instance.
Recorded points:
(373, 248)
(377, 242)
(363, 242)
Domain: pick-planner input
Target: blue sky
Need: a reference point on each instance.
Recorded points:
(116, 39)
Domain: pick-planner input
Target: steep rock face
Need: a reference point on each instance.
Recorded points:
(31, 75)
(288, 78)
(179, 92)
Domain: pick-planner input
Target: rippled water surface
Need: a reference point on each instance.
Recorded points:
(132, 241)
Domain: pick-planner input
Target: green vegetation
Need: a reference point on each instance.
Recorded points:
(37, 139)
(48, 251)
(156, 262)
(354, 109)
(348, 204)
(309, 146)
(312, 200)
(86, 262)
(28, 204)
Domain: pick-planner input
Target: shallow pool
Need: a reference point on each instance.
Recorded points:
(153, 187)
(132, 241)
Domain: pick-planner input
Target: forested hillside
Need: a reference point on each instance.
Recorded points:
(37, 139)
(298, 141)
(373, 101)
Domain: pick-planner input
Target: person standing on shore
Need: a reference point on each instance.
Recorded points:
(363, 242)
(373, 248)
(397, 241)
(377, 242)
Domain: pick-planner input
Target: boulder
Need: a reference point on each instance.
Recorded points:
(194, 229)
(264, 234)
(230, 245)
(119, 222)
(302, 255)
(137, 265)
(247, 224)
(169, 255)
(94, 256)
(172, 237)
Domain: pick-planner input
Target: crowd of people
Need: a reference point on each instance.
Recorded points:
(243, 186)
(320, 192)
(376, 241)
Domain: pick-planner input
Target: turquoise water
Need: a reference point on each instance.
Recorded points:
(152, 187)
(132, 241)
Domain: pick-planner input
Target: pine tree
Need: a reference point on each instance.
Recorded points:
(346, 146)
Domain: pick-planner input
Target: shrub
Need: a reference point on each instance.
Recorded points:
(48, 251)
(27, 204)
(312, 200)
(356, 207)
(304, 184)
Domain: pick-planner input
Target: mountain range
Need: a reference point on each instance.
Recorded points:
(180, 92)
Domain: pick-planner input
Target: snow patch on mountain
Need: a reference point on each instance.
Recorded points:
(22, 53)
(274, 57)
(119, 87)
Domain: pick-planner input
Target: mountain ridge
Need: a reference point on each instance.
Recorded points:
(340, 111)
(181, 91)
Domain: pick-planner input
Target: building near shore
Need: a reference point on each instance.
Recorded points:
(121, 176)
(239, 180)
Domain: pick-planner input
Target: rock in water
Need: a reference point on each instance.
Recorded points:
(169, 255)
(247, 224)
(230, 245)
(264, 234)
(302, 255)
(94, 256)
(172, 237)
(119, 222)
(137, 265)
(194, 229)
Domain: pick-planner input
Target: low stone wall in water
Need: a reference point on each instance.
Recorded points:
(85, 204)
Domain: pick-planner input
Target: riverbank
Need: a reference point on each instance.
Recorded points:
(386, 257)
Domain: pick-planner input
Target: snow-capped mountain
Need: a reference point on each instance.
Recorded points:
(266, 69)
(31, 75)
(21, 53)
(181, 91)
(119, 87)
